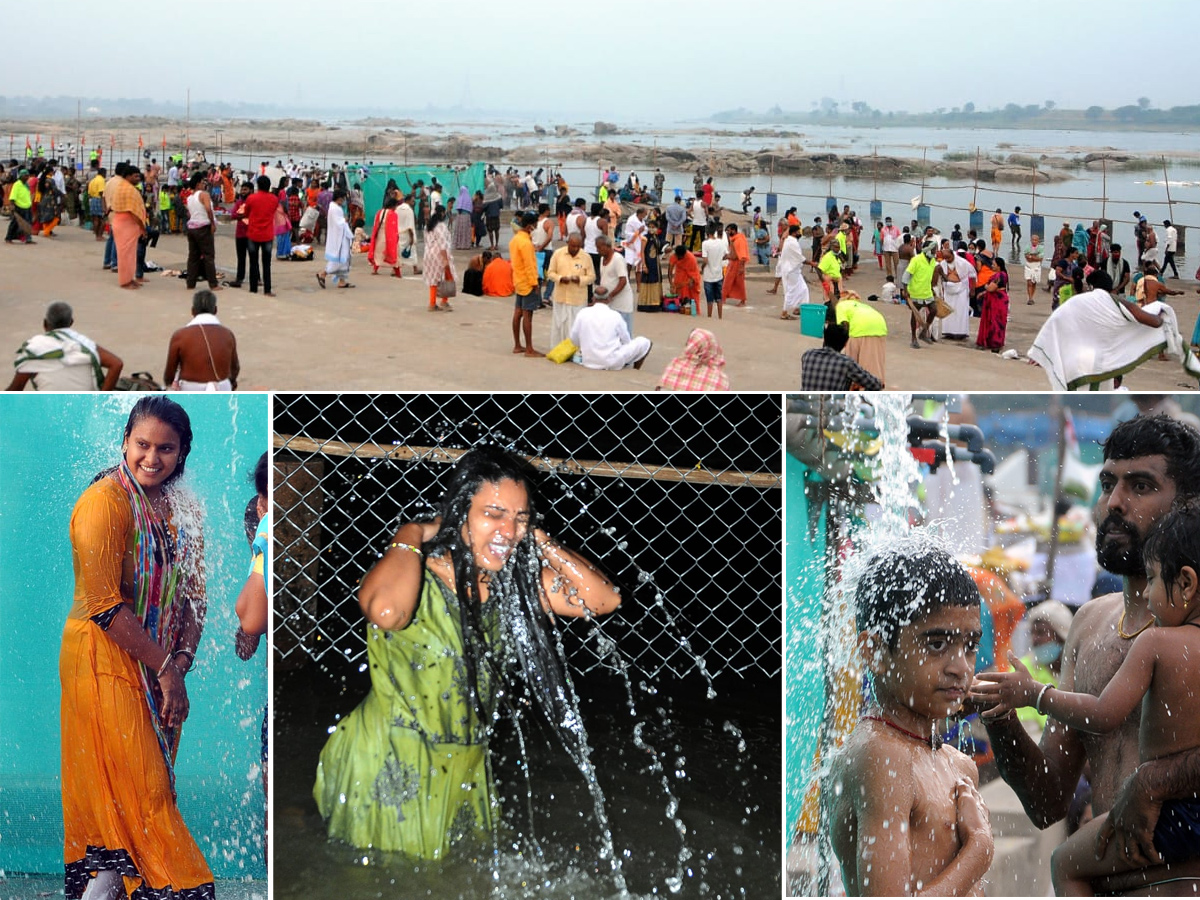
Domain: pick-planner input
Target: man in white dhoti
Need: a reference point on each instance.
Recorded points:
(634, 244)
(957, 278)
(571, 270)
(1097, 337)
(790, 270)
(338, 240)
(603, 338)
(62, 359)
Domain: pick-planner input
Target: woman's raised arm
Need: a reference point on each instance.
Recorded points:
(574, 585)
(389, 591)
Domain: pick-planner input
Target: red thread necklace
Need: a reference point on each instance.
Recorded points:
(934, 741)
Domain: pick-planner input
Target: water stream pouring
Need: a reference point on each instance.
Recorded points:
(857, 465)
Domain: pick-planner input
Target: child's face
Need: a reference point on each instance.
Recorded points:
(1171, 604)
(933, 663)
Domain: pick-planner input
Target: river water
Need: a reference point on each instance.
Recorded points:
(1087, 195)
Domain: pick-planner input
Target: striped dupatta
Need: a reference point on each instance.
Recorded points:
(157, 567)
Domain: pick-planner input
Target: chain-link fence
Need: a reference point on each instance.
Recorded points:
(678, 498)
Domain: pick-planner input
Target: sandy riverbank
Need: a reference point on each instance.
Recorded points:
(379, 335)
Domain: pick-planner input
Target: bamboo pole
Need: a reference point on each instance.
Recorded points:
(924, 157)
(975, 195)
(449, 456)
(1056, 412)
(1104, 187)
(1167, 185)
(875, 172)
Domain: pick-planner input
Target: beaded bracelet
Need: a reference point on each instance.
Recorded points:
(401, 545)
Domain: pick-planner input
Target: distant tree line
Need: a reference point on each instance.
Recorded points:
(1033, 115)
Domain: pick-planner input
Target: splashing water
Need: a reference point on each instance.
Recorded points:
(855, 532)
(545, 695)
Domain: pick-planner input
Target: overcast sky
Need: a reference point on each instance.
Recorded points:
(619, 59)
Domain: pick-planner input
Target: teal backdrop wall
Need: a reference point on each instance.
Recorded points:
(51, 446)
(805, 694)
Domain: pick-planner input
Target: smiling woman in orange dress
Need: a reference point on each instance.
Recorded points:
(129, 640)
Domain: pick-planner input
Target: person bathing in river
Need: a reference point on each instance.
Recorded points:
(448, 603)
(906, 811)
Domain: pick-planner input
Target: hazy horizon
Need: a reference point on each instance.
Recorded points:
(621, 61)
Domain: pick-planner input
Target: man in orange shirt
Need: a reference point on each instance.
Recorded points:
(525, 284)
(734, 287)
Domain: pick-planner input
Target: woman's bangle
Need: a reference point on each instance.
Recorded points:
(1037, 704)
(191, 659)
(403, 546)
(165, 663)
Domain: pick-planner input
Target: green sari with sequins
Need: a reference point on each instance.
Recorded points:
(408, 769)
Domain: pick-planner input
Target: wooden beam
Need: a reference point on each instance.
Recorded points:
(451, 455)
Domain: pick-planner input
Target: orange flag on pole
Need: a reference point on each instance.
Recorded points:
(139, 142)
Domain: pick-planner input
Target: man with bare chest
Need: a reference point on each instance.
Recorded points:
(1150, 463)
(202, 355)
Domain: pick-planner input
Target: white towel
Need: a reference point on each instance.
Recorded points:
(1093, 338)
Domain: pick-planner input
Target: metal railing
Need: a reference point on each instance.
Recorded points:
(677, 497)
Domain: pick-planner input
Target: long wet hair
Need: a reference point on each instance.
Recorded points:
(532, 646)
(485, 464)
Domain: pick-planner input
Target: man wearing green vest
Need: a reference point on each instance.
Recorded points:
(21, 225)
(918, 292)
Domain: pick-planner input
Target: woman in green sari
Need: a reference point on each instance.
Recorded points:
(449, 604)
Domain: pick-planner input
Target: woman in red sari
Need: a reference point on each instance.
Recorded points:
(993, 318)
(385, 238)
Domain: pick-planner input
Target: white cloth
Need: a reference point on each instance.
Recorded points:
(209, 386)
(611, 273)
(791, 270)
(634, 229)
(197, 212)
(1094, 338)
(562, 320)
(1172, 239)
(591, 231)
(406, 225)
(603, 339)
(957, 295)
(60, 360)
(714, 250)
(699, 214)
(891, 237)
(338, 239)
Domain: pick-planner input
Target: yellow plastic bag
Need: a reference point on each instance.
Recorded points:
(563, 352)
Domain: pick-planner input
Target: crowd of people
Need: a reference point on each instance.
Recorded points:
(947, 281)
(944, 281)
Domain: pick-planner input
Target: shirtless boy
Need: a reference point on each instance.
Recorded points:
(907, 816)
(1157, 674)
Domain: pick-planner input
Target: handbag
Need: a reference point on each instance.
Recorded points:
(942, 308)
(446, 289)
(563, 351)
